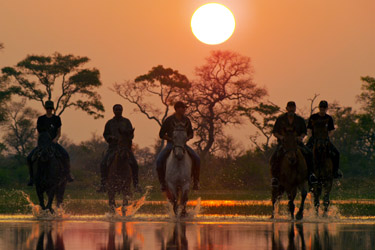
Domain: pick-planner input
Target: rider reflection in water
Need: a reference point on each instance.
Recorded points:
(112, 130)
(50, 123)
(166, 133)
(323, 119)
(290, 122)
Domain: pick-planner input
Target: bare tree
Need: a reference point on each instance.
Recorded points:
(35, 78)
(223, 83)
(154, 93)
(20, 128)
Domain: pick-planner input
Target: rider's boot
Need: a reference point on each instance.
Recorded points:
(102, 188)
(196, 171)
(161, 177)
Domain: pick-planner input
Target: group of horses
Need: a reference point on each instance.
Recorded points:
(294, 172)
(49, 177)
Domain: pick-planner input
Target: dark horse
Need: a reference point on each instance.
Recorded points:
(119, 172)
(323, 167)
(293, 175)
(49, 176)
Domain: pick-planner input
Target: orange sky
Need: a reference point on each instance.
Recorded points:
(297, 47)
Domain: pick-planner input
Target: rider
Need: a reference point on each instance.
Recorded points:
(111, 134)
(50, 123)
(290, 122)
(323, 117)
(166, 133)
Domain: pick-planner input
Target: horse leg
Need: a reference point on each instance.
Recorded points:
(51, 195)
(317, 193)
(125, 203)
(40, 197)
(60, 194)
(326, 201)
(184, 199)
(291, 205)
(299, 215)
(275, 195)
(111, 201)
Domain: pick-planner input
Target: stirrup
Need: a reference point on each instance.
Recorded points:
(313, 179)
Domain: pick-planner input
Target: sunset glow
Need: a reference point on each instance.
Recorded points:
(213, 23)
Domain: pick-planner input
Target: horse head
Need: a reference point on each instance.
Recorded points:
(290, 147)
(179, 139)
(321, 140)
(45, 149)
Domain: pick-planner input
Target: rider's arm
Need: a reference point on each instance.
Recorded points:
(58, 135)
(163, 131)
(107, 133)
(331, 127)
(278, 136)
(190, 132)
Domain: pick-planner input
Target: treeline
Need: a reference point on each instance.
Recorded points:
(221, 94)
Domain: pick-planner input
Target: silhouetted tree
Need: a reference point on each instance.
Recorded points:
(223, 83)
(20, 128)
(36, 77)
(263, 117)
(154, 92)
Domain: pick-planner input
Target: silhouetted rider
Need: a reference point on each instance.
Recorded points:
(323, 119)
(166, 133)
(286, 123)
(50, 123)
(111, 135)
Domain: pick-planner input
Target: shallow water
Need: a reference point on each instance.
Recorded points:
(70, 234)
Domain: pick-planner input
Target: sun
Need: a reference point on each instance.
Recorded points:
(213, 23)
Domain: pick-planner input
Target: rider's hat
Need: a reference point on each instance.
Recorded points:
(291, 104)
(323, 104)
(179, 104)
(49, 105)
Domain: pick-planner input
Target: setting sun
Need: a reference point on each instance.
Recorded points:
(213, 23)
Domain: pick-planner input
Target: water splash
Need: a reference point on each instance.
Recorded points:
(131, 209)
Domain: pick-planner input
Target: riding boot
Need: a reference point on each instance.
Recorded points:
(161, 176)
(310, 165)
(337, 174)
(68, 175)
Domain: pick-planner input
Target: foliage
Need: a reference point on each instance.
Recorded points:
(36, 77)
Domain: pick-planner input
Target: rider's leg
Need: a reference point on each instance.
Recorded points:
(30, 165)
(196, 166)
(160, 164)
(134, 167)
(65, 161)
(336, 162)
(309, 162)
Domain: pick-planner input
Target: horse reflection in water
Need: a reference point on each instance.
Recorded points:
(119, 173)
(323, 167)
(49, 176)
(293, 243)
(114, 229)
(178, 170)
(50, 244)
(293, 176)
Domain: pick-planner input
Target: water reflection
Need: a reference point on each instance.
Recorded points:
(185, 235)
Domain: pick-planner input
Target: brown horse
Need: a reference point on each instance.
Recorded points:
(119, 173)
(293, 175)
(323, 167)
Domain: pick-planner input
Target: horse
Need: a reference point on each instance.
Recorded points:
(293, 175)
(119, 172)
(178, 170)
(323, 167)
(49, 176)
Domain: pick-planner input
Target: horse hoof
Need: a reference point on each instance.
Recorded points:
(52, 211)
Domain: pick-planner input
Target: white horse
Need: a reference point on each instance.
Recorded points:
(178, 170)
